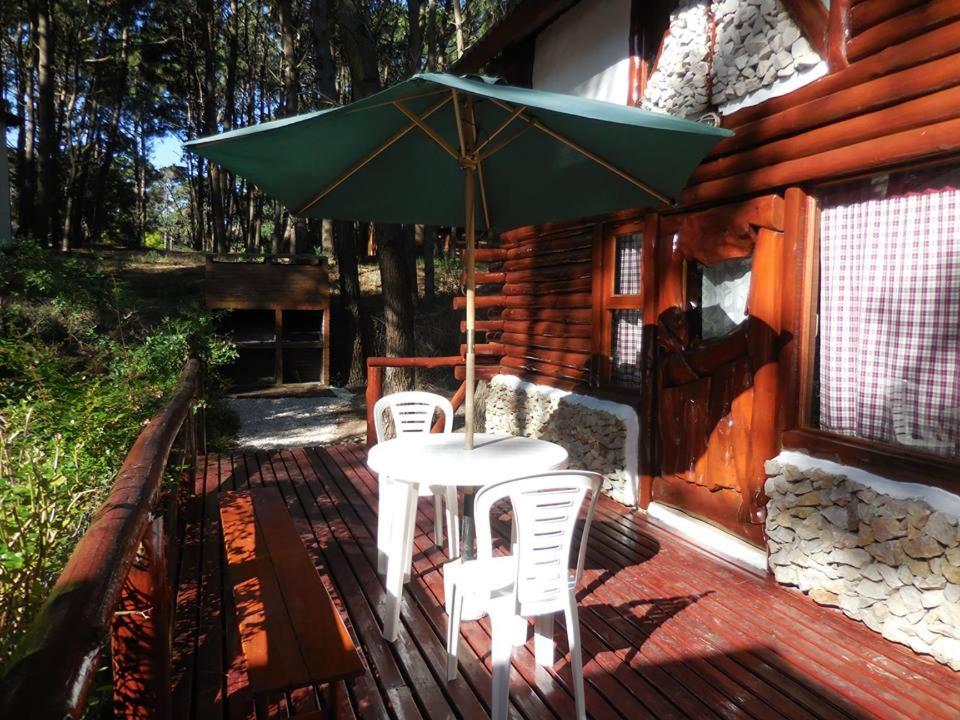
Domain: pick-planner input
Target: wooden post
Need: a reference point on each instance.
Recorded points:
(471, 310)
(374, 391)
(278, 351)
(140, 634)
(837, 34)
(325, 359)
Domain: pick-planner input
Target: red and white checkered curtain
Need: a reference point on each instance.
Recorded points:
(890, 320)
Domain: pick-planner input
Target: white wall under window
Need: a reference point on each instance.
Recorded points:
(586, 52)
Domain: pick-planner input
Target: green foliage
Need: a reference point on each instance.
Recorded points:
(79, 375)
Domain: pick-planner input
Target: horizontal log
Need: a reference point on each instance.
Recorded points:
(415, 362)
(567, 315)
(922, 49)
(561, 272)
(574, 360)
(926, 17)
(867, 14)
(935, 141)
(552, 261)
(489, 255)
(546, 329)
(545, 368)
(548, 288)
(532, 234)
(549, 244)
(929, 109)
(575, 344)
(873, 95)
(483, 325)
(486, 278)
(490, 349)
(482, 372)
(812, 18)
(577, 300)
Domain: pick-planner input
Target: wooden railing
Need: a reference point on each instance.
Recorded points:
(375, 367)
(116, 589)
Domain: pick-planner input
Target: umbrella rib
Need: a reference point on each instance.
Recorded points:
(501, 127)
(473, 141)
(428, 131)
(363, 161)
(589, 155)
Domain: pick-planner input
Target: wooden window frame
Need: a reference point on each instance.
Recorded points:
(800, 311)
(605, 300)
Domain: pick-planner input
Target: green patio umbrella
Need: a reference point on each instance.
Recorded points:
(466, 151)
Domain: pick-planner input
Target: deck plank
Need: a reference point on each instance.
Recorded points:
(669, 630)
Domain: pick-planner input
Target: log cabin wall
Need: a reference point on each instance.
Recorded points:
(890, 100)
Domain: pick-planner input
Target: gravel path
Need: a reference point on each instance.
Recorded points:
(267, 423)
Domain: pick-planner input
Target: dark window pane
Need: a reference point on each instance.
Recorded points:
(627, 328)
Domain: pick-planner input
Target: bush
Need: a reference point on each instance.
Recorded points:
(80, 373)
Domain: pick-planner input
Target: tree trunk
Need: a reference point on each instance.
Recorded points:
(429, 273)
(398, 307)
(458, 26)
(295, 233)
(26, 149)
(98, 197)
(414, 36)
(358, 326)
(325, 67)
(45, 221)
(208, 33)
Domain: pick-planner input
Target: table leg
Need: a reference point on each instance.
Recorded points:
(403, 538)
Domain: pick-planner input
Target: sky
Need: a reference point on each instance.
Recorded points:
(166, 150)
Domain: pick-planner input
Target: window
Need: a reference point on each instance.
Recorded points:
(720, 293)
(887, 364)
(619, 311)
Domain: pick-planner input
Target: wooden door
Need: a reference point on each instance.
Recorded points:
(716, 361)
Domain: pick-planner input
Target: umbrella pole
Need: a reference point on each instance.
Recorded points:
(471, 291)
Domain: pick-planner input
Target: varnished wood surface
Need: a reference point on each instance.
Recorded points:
(669, 630)
(290, 630)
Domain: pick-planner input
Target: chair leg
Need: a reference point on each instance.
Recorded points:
(500, 653)
(453, 522)
(543, 640)
(453, 631)
(385, 513)
(438, 519)
(572, 619)
(403, 530)
(406, 548)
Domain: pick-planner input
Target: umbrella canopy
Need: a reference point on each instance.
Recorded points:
(466, 151)
(395, 156)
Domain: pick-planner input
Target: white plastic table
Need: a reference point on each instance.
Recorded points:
(441, 459)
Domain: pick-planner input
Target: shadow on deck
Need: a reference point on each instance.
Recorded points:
(669, 631)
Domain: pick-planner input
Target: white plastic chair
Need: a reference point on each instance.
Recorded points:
(413, 412)
(534, 581)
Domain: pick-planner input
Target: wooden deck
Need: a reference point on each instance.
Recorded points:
(669, 631)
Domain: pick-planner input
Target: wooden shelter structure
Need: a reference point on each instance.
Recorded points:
(279, 316)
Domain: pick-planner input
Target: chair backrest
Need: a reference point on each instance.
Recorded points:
(412, 412)
(545, 511)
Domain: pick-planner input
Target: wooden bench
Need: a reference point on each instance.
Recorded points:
(292, 635)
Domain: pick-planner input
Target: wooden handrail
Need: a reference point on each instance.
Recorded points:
(375, 366)
(55, 663)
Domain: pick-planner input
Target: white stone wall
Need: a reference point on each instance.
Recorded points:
(887, 559)
(599, 435)
(757, 50)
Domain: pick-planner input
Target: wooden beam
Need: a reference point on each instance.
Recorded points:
(813, 19)
(940, 140)
(891, 32)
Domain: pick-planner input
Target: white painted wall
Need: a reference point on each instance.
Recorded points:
(586, 52)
